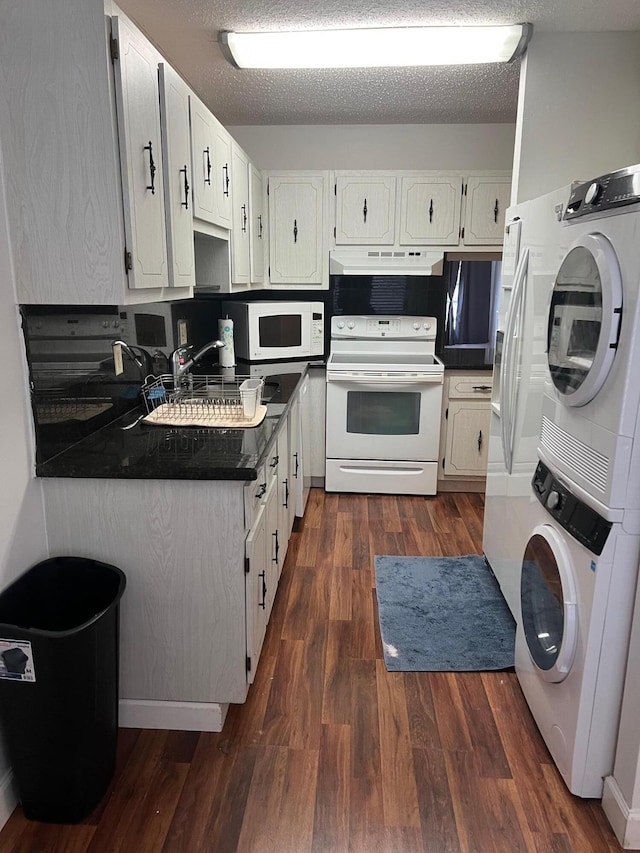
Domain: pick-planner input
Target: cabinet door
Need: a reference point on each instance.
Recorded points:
(284, 514)
(272, 542)
(295, 461)
(487, 200)
(365, 210)
(296, 229)
(138, 108)
(176, 159)
(467, 438)
(430, 211)
(203, 161)
(256, 229)
(221, 178)
(256, 591)
(240, 255)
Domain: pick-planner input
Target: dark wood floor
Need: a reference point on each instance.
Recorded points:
(333, 753)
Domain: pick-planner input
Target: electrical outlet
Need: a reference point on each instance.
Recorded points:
(183, 335)
(117, 360)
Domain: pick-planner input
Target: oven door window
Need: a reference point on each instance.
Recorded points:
(280, 331)
(383, 412)
(584, 317)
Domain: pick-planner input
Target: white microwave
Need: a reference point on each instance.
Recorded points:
(265, 329)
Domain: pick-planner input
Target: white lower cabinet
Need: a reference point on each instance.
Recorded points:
(256, 590)
(202, 562)
(316, 449)
(464, 443)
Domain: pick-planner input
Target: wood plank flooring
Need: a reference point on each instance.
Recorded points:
(331, 753)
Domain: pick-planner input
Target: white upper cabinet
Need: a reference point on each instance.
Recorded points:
(257, 229)
(176, 158)
(211, 158)
(430, 210)
(298, 251)
(487, 199)
(365, 209)
(240, 252)
(139, 132)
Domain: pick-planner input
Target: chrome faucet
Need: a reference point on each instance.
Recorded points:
(181, 363)
(130, 352)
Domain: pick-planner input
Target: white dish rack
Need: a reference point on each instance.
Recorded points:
(205, 401)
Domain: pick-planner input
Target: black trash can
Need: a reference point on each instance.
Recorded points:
(59, 651)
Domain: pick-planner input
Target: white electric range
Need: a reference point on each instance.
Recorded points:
(384, 397)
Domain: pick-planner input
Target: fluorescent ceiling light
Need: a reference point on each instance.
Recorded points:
(376, 48)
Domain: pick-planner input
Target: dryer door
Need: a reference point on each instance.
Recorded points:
(548, 601)
(584, 319)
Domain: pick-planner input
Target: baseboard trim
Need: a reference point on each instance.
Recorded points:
(473, 484)
(182, 716)
(8, 797)
(624, 821)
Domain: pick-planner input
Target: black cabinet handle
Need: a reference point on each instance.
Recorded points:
(495, 212)
(481, 387)
(480, 441)
(263, 603)
(276, 548)
(244, 218)
(286, 493)
(274, 462)
(295, 473)
(295, 230)
(185, 203)
(225, 179)
(207, 180)
(261, 490)
(152, 168)
(259, 226)
(365, 211)
(430, 210)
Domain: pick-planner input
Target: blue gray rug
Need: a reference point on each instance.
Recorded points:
(442, 614)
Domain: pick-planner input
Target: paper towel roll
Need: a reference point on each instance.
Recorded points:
(225, 333)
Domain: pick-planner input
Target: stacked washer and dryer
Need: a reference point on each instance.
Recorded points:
(579, 566)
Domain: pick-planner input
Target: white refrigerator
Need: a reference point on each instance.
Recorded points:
(535, 244)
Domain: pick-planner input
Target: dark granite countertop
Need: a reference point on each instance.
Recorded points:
(155, 452)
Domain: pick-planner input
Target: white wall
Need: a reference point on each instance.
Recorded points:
(578, 110)
(476, 147)
(22, 527)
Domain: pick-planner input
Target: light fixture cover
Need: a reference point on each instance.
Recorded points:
(376, 48)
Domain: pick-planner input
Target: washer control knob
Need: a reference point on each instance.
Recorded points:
(351, 325)
(593, 193)
(416, 326)
(341, 324)
(553, 500)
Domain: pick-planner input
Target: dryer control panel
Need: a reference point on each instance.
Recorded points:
(605, 193)
(578, 519)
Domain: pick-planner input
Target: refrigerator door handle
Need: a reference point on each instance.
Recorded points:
(508, 392)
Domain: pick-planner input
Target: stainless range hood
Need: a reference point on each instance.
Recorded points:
(385, 262)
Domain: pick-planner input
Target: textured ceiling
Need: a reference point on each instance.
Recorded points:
(186, 32)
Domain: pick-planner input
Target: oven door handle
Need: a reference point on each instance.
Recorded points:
(386, 381)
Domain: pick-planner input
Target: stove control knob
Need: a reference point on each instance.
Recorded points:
(593, 193)
(416, 326)
(341, 324)
(105, 324)
(351, 325)
(427, 326)
(553, 500)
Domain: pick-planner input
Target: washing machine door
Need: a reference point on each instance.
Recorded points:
(584, 319)
(548, 601)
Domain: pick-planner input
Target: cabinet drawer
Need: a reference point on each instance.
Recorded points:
(254, 492)
(475, 386)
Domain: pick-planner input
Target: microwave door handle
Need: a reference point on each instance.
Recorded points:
(507, 400)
